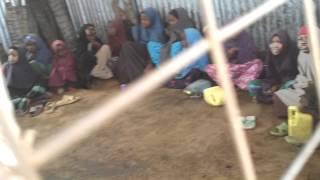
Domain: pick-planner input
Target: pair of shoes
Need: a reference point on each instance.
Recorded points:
(66, 100)
(36, 110)
(280, 130)
(192, 94)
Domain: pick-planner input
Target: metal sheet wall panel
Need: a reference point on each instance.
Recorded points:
(4, 33)
(288, 17)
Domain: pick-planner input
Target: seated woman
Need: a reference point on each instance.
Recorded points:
(63, 73)
(135, 56)
(92, 56)
(194, 71)
(38, 55)
(291, 96)
(21, 80)
(281, 63)
(178, 20)
(243, 63)
(117, 36)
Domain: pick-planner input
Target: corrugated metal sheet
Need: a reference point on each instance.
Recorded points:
(288, 17)
(4, 34)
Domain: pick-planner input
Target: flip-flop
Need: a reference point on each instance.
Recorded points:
(66, 100)
(192, 94)
(187, 92)
(36, 110)
(50, 107)
(293, 141)
(280, 130)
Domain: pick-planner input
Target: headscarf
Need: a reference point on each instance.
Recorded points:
(303, 43)
(20, 74)
(192, 37)
(153, 33)
(43, 54)
(183, 23)
(82, 43)
(303, 30)
(63, 68)
(116, 41)
(282, 67)
(247, 48)
(82, 33)
(305, 65)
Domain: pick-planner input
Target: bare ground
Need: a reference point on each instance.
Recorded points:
(166, 136)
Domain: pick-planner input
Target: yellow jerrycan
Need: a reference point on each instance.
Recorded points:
(299, 124)
(214, 96)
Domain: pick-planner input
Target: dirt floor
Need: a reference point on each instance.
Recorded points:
(166, 136)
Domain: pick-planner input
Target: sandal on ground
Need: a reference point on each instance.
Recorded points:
(293, 141)
(280, 130)
(66, 100)
(50, 107)
(248, 122)
(187, 92)
(192, 94)
(36, 110)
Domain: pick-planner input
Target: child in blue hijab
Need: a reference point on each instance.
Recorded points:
(151, 33)
(194, 71)
(190, 37)
(38, 54)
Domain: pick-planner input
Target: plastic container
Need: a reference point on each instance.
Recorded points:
(299, 124)
(214, 96)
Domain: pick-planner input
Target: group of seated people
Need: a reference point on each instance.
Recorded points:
(133, 50)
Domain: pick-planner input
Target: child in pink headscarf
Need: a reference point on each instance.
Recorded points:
(63, 73)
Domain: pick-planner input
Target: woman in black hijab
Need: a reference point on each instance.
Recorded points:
(281, 67)
(22, 81)
(178, 20)
(92, 55)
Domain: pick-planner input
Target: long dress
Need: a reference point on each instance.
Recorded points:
(280, 69)
(244, 66)
(41, 59)
(184, 22)
(135, 56)
(63, 70)
(292, 96)
(92, 59)
(192, 72)
(22, 82)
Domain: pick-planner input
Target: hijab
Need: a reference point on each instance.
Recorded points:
(82, 43)
(63, 67)
(282, 67)
(153, 33)
(43, 54)
(247, 48)
(119, 38)
(20, 74)
(63, 59)
(183, 23)
(305, 64)
(192, 37)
